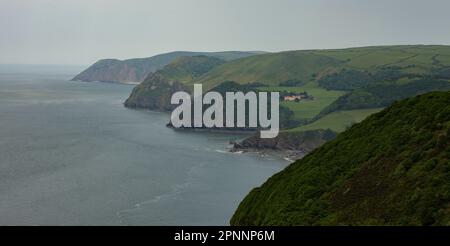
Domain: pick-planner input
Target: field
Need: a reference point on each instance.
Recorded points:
(309, 108)
(338, 121)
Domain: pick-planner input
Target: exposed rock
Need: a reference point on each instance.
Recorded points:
(294, 144)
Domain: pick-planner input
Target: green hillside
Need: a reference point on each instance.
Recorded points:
(137, 69)
(381, 95)
(338, 80)
(154, 93)
(187, 68)
(273, 68)
(393, 168)
(310, 108)
(338, 121)
(156, 90)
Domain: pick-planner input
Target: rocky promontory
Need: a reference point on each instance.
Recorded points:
(291, 145)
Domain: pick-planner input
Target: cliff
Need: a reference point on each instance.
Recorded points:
(295, 144)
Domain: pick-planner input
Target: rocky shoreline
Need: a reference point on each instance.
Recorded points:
(290, 146)
(287, 155)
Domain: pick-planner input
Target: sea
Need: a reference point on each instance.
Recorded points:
(72, 154)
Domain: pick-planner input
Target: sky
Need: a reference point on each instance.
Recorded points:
(84, 31)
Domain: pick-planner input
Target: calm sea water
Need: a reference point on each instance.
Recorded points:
(71, 154)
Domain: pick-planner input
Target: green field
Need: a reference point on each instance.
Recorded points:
(309, 108)
(338, 121)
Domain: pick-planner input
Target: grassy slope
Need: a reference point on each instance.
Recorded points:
(369, 58)
(273, 68)
(338, 121)
(310, 66)
(309, 108)
(391, 169)
(187, 68)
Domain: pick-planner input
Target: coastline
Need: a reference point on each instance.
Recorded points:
(110, 82)
(289, 154)
(290, 146)
(285, 154)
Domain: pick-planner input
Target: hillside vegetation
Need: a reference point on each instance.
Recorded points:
(188, 68)
(156, 90)
(274, 68)
(393, 168)
(137, 69)
(308, 109)
(338, 121)
(338, 80)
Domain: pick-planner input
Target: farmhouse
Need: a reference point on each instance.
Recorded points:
(293, 98)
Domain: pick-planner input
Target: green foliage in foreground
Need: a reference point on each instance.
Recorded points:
(391, 169)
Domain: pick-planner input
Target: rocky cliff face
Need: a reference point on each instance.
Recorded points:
(304, 141)
(111, 70)
(291, 145)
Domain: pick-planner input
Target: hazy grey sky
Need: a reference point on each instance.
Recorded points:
(83, 31)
